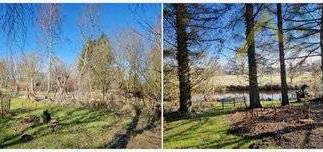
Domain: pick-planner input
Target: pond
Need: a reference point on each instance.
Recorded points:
(241, 95)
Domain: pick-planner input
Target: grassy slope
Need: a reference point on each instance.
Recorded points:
(205, 131)
(80, 128)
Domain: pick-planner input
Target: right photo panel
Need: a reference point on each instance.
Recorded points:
(242, 76)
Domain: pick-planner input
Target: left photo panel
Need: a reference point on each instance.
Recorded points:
(79, 76)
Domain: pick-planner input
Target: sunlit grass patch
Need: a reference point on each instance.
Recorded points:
(205, 132)
(208, 129)
(78, 127)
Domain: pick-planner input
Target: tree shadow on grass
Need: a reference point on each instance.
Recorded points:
(121, 140)
(181, 135)
(17, 138)
(22, 111)
(176, 116)
(69, 120)
(203, 140)
(74, 117)
(223, 143)
(11, 140)
(197, 122)
(4, 121)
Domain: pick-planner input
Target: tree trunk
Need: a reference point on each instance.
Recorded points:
(50, 64)
(183, 59)
(49, 74)
(284, 88)
(291, 81)
(33, 87)
(252, 65)
(60, 85)
(27, 93)
(104, 92)
(30, 90)
(321, 45)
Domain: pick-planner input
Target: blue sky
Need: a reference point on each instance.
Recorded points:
(115, 17)
(234, 36)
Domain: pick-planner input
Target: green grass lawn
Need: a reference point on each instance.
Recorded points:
(207, 130)
(79, 128)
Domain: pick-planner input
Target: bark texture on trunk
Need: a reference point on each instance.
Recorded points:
(183, 58)
(49, 74)
(284, 87)
(321, 45)
(252, 65)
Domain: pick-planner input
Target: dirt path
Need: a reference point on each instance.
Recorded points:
(137, 135)
(284, 127)
(121, 140)
(148, 139)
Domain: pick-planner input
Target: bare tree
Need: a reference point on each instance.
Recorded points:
(14, 22)
(61, 74)
(29, 70)
(4, 74)
(89, 22)
(49, 20)
(132, 47)
(154, 67)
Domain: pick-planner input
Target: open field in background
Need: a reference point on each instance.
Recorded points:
(222, 83)
(71, 127)
(274, 79)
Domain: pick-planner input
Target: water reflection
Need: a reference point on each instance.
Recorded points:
(264, 95)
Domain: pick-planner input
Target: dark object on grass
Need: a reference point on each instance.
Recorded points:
(46, 116)
(26, 137)
(301, 93)
(238, 130)
(254, 146)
